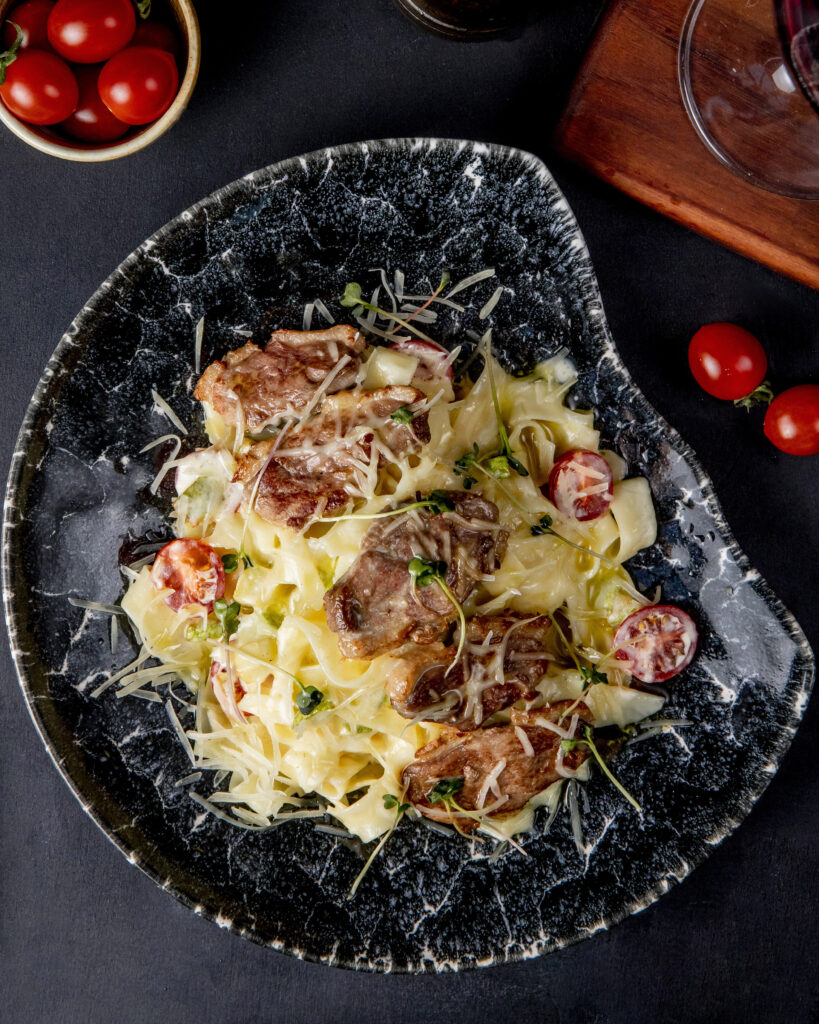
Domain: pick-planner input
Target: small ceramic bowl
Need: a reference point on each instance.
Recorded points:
(48, 139)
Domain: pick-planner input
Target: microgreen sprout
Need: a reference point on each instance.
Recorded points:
(231, 561)
(351, 299)
(443, 792)
(505, 452)
(588, 741)
(403, 415)
(227, 612)
(464, 464)
(10, 55)
(424, 572)
(544, 527)
(436, 501)
(591, 675)
(390, 801)
(309, 701)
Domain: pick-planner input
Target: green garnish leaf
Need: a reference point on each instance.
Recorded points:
(351, 296)
(390, 801)
(518, 467)
(10, 55)
(196, 632)
(227, 612)
(443, 792)
(544, 525)
(230, 561)
(438, 502)
(590, 675)
(425, 571)
(403, 415)
(309, 701)
(273, 618)
(446, 277)
(499, 466)
(466, 460)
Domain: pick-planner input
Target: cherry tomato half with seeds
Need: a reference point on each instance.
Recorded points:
(154, 33)
(92, 121)
(193, 572)
(657, 642)
(792, 420)
(32, 17)
(90, 31)
(138, 84)
(727, 361)
(581, 485)
(40, 88)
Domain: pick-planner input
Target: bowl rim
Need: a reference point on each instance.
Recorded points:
(67, 151)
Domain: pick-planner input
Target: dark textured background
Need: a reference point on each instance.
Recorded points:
(84, 937)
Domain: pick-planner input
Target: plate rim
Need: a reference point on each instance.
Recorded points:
(593, 307)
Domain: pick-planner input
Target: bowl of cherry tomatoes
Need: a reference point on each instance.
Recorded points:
(94, 80)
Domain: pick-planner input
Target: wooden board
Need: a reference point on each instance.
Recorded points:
(625, 122)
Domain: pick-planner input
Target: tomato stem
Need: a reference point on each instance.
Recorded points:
(10, 55)
(762, 394)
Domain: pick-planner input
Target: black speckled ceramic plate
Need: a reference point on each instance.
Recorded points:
(248, 258)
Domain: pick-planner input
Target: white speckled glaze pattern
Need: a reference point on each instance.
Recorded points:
(248, 258)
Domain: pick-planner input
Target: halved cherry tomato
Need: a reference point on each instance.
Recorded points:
(228, 691)
(90, 31)
(727, 361)
(92, 121)
(792, 420)
(192, 570)
(32, 17)
(432, 358)
(657, 642)
(40, 88)
(138, 84)
(154, 33)
(581, 485)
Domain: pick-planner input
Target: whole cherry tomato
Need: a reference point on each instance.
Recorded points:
(92, 121)
(727, 361)
(40, 88)
(154, 33)
(193, 572)
(580, 485)
(90, 31)
(138, 84)
(792, 420)
(657, 642)
(32, 17)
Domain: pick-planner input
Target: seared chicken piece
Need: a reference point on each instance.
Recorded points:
(256, 388)
(502, 661)
(501, 767)
(375, 607)
(317, 469)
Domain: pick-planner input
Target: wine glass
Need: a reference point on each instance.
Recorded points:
(749, 78)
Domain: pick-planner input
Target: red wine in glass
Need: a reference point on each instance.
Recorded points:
(798, 22)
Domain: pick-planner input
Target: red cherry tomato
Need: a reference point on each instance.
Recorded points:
(432, 358)
(92, 121)
(657, 642)
(580, 485)
(792, 420)
(90, 31)
(727, 361)
(40, 88)
(139, 84)
(192, 570)
(32, 17)
(228, 689)
(154, 33)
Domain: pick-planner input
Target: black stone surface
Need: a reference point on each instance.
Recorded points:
(83, 938)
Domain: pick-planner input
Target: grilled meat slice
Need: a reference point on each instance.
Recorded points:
(502, 765)
(502, 662)
(257, 387)
(317, 469)
(375, 608)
